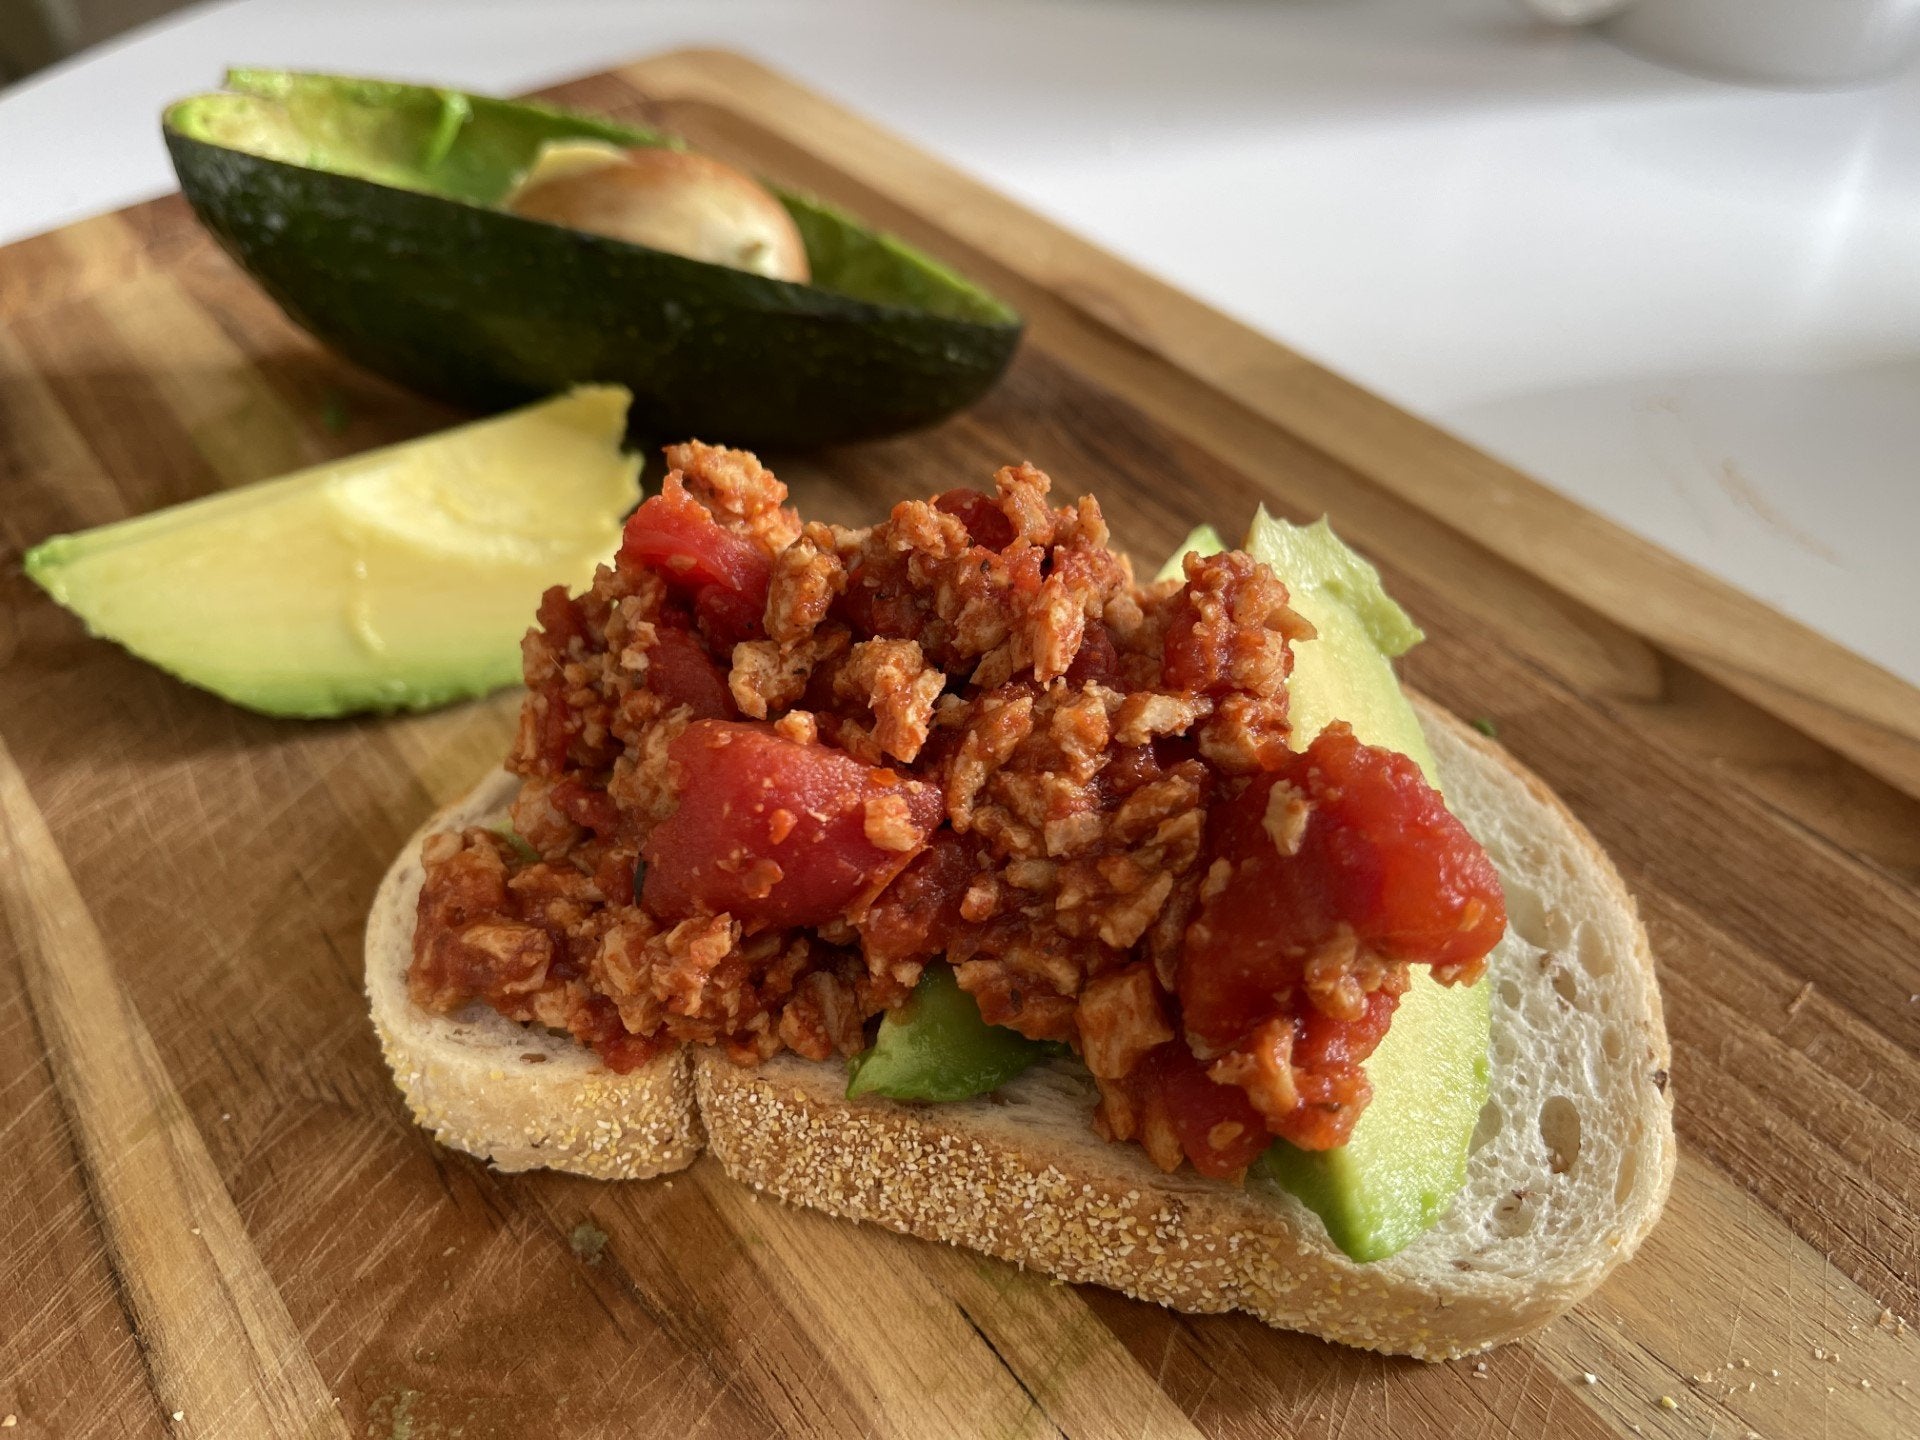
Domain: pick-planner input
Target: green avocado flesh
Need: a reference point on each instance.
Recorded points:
(936, 1047)
(365, 208)
(1407, 1157)
(398, 579)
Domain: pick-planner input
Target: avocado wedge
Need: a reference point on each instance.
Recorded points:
(1407, 1157)
(397, 579)
(366, 210)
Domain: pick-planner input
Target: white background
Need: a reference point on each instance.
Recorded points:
(1690, 305)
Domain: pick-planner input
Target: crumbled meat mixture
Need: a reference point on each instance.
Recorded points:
(771, 770)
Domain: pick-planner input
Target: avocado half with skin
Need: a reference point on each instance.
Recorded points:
(367, 210)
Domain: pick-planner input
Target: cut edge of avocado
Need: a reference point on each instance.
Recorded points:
(847, 259)
(937, 1048)
(365, 210)
(373, 583)
(1373, 1209)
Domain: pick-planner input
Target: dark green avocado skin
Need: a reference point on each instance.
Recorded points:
(487, 310)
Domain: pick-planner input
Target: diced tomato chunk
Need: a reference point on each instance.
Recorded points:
(560, 617)
(727, 616)
(986, 524)
(726, 574)
(1322, 1042)
(880, 599)
(586, 805)
(779, 833)
(919, 913)
(1379, 852)
(1217, 1125)
(1097, 662)
(1345, 845)
(679, 670)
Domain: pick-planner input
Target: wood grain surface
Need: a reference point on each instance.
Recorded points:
(219, 1220)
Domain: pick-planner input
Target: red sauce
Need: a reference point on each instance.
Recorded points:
(981, 742)
(1379, 868)
(725, 574)
(680, 671)
(781, 836)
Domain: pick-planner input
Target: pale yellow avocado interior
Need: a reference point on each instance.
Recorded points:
(397, 579)
(1407, 1157)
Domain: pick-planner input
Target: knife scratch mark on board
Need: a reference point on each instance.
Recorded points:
(218, 1341)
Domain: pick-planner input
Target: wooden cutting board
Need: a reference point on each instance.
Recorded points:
(220, 1221)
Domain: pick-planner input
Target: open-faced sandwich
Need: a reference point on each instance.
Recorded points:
(942, 875)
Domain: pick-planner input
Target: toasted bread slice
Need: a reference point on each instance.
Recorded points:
(517, 1095)
(1572, 1161)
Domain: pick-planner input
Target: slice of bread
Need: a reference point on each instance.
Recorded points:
(522, 1097)
(1573, 1156)
(1571, 1163)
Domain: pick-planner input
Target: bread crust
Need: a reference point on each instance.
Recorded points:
(1020, 1174)
(513, 1094)
(1573, 1162)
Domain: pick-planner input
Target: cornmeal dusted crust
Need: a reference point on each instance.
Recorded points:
(516, 1095)
(1572, 1162)
(1546, 1213)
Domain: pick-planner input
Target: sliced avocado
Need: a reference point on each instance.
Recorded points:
(1407, 1157)
(1314, 559)
(936, 1047)
(1204, 541)
(1346, 671)
(398, 579)
(366, 209)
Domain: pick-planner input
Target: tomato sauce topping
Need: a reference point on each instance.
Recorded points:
(786, 834)
(770, 770)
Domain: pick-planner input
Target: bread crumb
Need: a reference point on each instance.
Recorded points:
(1667, 1402)
(179, 1415)
(1793, 1005)
(1819, 1352)
(1590, 1377)
(194, 1230)
(1865, 1384)
(9, 1422)
(226, 1115)
(587, 1241)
